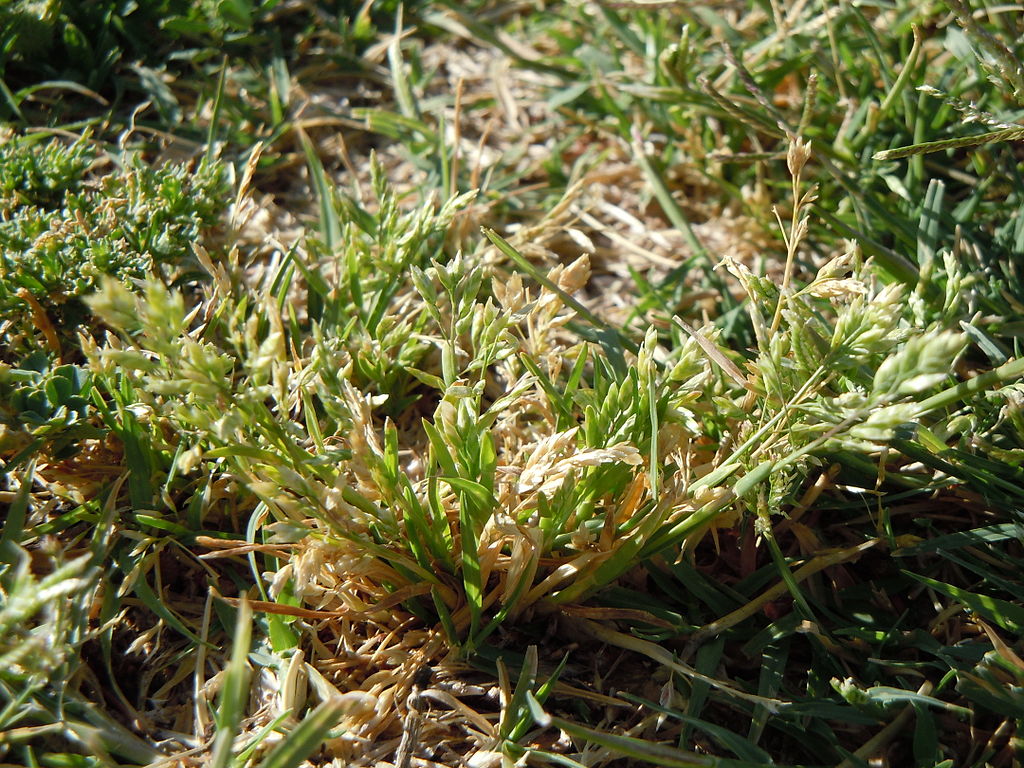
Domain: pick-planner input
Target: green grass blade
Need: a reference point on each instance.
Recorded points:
(633, 748)
(516, 709)
(153, 602)
(308, 736)
(965, 142)
(403, 91)
(235, 694)
(743, 749)
(218, 101)
(928, 229)
(1009, 616)
(14, 524)
(989, 534)
(330, 223)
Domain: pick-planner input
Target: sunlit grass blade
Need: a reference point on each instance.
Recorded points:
(330, 224)
(218, 101)
(309, 735)
(235, 692)
(965, 142)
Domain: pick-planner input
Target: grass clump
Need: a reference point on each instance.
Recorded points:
(67, 225)
(91, 44)
(706, 450)
(64, 228)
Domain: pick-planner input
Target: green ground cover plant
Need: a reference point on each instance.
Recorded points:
(580, 384)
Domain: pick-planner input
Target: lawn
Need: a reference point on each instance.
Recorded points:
(486, 384)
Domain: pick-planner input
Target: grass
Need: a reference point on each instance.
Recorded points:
(587, 384)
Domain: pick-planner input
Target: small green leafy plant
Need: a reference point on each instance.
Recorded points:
(63, 228)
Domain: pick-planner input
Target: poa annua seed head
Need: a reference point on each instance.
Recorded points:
(797, 156)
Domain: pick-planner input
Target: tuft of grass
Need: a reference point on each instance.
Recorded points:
(63, 230)
(656, 401)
